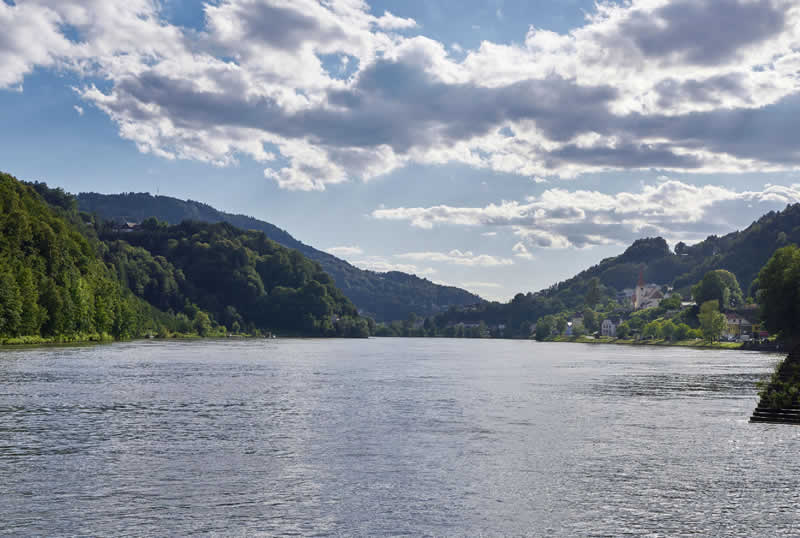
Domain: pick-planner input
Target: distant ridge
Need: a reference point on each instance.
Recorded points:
(383, 296)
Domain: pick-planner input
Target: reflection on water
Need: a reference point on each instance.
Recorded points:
(377, 437)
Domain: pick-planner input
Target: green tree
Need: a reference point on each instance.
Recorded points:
(673, 302)
(544, 328)
(669, 330)
(593, 294)
(31, 317)
(712, 321)
(590, 322)
(651, 330)
(779, 294)
(560, 324)
(636, 323)
(10, 304)
(681, 332)
(720, 286)
(623, 331)
(202, 324)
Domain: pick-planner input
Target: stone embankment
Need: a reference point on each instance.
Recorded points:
(790, 415)
(780, 398)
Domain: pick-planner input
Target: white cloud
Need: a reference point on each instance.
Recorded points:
(521, 251)
(490, 285)
(20, 51)
(344, 251)
(391, 22)
(559, 218)
(457, 257)
(382, 265)
(694, 86)
(78, 109)
(489, 234)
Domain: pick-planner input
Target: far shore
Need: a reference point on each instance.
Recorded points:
(700, 344)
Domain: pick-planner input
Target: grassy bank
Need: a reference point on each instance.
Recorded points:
(620, 341)
(94, 338)
(91, 338)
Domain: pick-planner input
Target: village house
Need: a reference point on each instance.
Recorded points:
(736, 325)
(608, 328)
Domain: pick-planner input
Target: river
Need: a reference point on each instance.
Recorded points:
(389, 437)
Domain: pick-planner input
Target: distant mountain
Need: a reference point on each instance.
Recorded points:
(743, 253)
(383, 296)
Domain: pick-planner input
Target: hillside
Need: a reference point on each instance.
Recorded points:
(242, 278)
(383, 296)
(743, 253)
(66, 275)
(53, 283)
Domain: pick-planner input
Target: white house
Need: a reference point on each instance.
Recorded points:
(608, 328)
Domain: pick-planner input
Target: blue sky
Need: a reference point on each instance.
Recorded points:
(495, 145)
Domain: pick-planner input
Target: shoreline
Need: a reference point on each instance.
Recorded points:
(695, 344)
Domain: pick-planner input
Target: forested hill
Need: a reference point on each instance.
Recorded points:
(743, 253)
(66, 275)
(242, 278)
(383, 296)
(53, 282)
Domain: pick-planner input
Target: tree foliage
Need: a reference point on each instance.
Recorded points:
(779, 293)
(721, 286)
(52, 281)
(712, 321)
(236, 276)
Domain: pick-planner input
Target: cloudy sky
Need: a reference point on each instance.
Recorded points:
(498, 145)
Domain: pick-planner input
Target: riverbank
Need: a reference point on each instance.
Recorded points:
(630, 342)
(55, 340)
(98, 339)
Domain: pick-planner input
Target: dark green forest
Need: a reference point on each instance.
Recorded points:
(382, 296)
(67, 275)
(241, 278)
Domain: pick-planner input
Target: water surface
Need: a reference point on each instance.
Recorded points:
(390, 437)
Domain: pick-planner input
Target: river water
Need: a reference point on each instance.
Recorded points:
(390, 437)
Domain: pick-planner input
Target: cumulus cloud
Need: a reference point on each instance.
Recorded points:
(559, 218)
(457, 257)
(344, 251)
(19, 53)
(78, 109)
(521, 251)
(382, 265)
(680, 85)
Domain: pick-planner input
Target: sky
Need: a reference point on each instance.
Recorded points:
(496, 145)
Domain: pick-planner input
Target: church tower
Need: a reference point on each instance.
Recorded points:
(638, 294)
